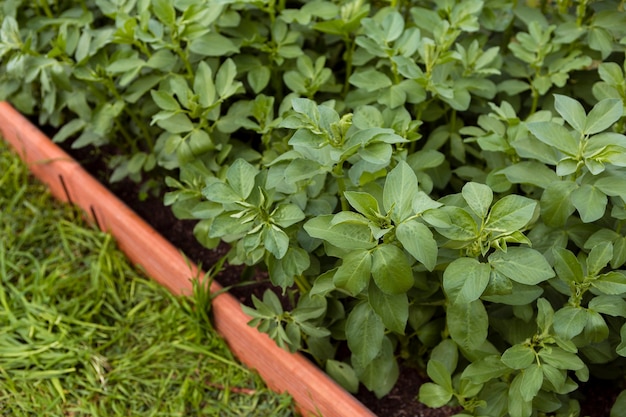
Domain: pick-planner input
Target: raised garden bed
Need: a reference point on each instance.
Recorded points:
(314, 392)
(436, 183)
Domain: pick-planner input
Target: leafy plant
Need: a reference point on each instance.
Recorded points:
(437, 183)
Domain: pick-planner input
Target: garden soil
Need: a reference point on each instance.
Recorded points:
(597, 396)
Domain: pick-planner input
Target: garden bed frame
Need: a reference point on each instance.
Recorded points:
(313, 391)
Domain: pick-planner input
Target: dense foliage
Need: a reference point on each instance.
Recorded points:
(440, 181)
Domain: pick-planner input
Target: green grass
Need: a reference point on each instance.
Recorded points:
(83, 333)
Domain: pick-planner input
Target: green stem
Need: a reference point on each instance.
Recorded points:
(126, 134)
(350, 46)
(133, 116)
(46, 9)
(341, 185)
(303, 284)
(581, 10)
(535, 103)
(185, 61)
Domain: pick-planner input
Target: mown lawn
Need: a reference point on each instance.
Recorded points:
(83, 333)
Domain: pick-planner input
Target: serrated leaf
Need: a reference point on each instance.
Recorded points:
(545, 314)
(596, 329)
(258, 78)
(418, 240)
(465, 279)
(391, 270)
(612, 186)
(226, 224)
(447, 353)
(381, 374)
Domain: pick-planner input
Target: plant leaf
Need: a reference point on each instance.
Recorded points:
(478, 197)
(344, 235)
(511, 213)
(603, 115)
(365, 332)
(354, 273)
(400, 191)
(555, 135)
(465, 279)
(391, 270)
(240, 176)
(571, 110)
(524, 265)
(418, 240)
(569, 321)
(364, 203)
(344, 374)
(611, 283)
(275, 240)
(590, 202)
(518, 356)
(393, 309)
(433, 395)
(468, 324)
(556, 203)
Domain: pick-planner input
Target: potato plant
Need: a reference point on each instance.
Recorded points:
(439, 182)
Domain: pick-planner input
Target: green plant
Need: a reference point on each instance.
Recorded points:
(84, 333)
(439, 182)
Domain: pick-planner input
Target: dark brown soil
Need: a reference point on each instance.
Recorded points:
(596, 396)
